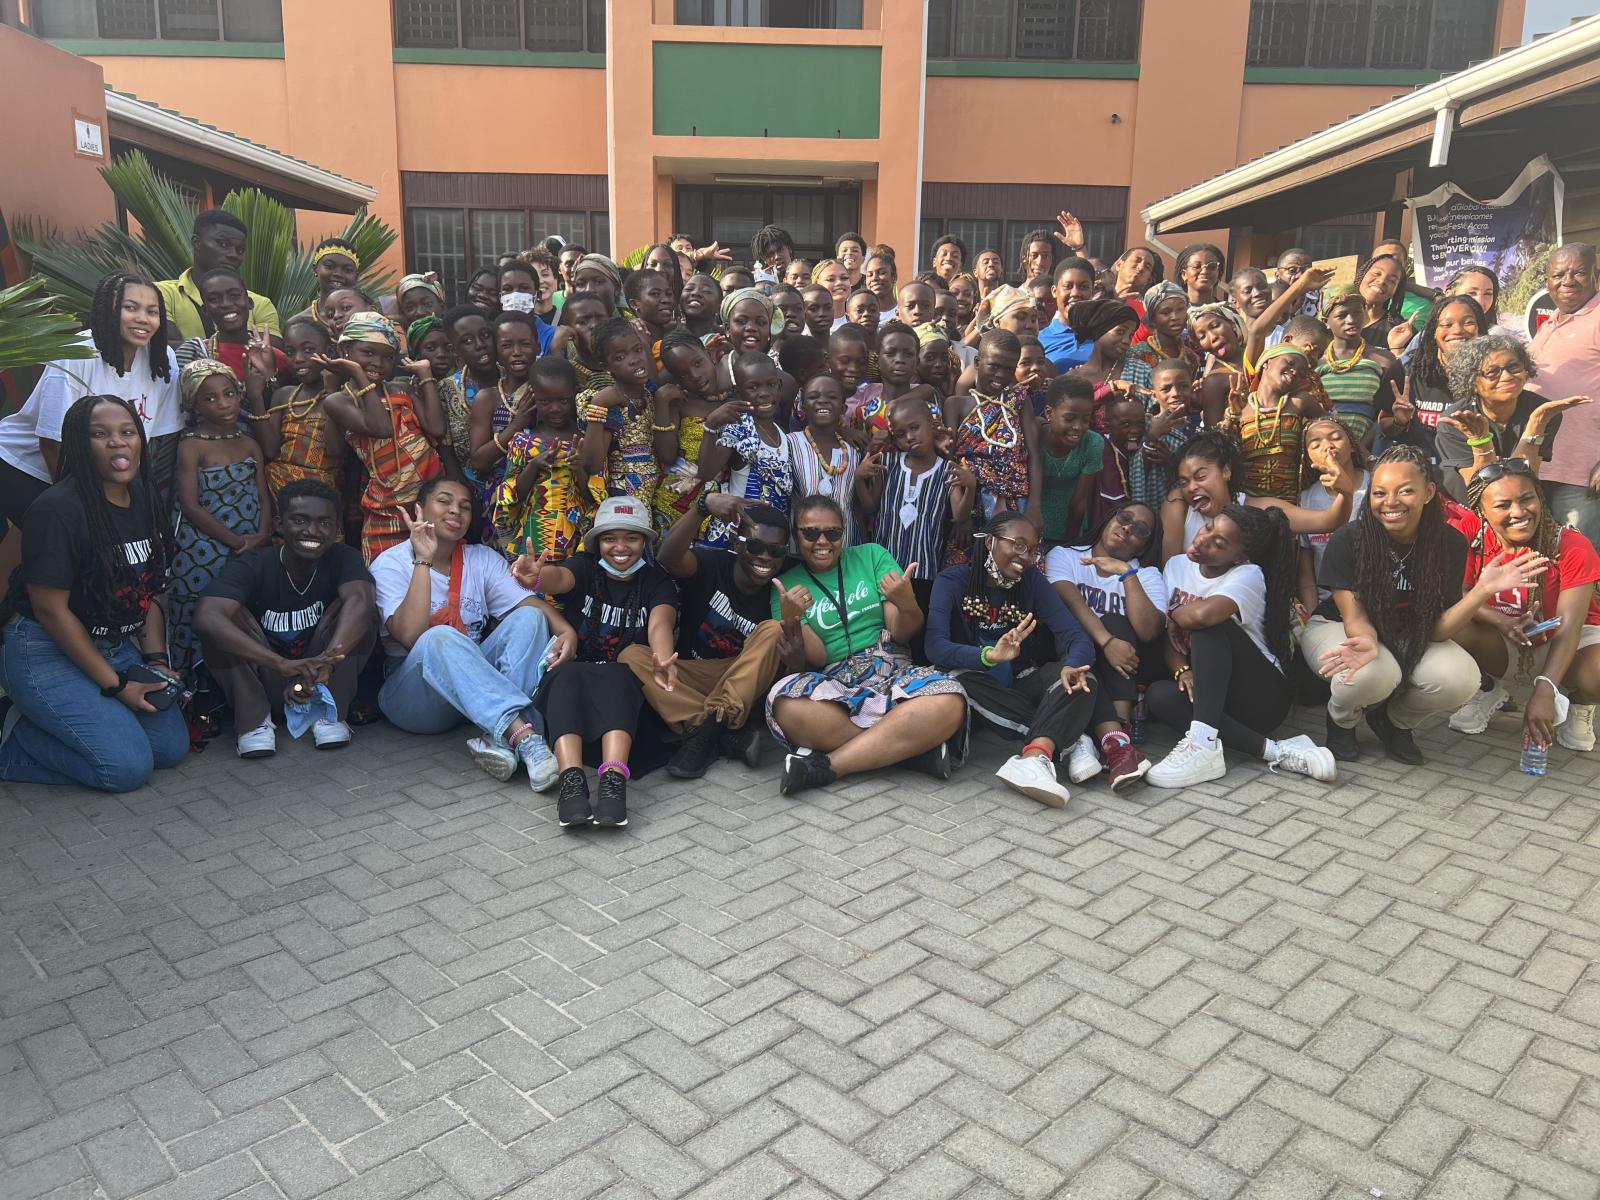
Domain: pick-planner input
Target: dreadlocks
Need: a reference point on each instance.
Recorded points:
(1394, 306)
(105, 323)
(1546, 536)
(1429, 369)
(1271, 547)
(1403, 624)
(109, 571)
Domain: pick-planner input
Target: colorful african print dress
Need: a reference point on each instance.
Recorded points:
(305, 452)
(486, 483)
(456, 394)
(681, 486)
(991, 441)
(229, 493)
(765, 475)
(1272, 445)
(553, 514)
(631, 466)
(397, 467)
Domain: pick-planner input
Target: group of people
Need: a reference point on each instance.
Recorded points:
(622, 517)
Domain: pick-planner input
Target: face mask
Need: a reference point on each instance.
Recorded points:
(517, 302)
(621, 573)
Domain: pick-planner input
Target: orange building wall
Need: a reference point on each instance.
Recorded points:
(1029, 130)
(241, 95)
(461, 118)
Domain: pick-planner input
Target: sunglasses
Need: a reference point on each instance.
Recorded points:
(760, 549)
(1135, 526)
(1501, 468)
(812, 533)
(1494, 373)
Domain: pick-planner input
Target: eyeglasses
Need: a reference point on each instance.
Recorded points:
(760, 549)
(1492, 374)
(812, 533)
(1501, 468)
(1133, 525)
(1024, 549)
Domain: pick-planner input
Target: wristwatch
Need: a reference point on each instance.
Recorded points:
(1533, 439)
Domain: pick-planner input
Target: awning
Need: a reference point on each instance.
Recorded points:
(1476, 128)
(297, 183)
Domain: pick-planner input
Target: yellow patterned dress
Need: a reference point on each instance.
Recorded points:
(680, 487)
(552, 516)
(1273, 443)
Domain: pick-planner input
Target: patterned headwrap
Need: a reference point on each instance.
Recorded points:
(1091, 320)
(930, 331)
(737, 297)
(1161, 291)
(428, 282)
(605, 266)
(370, 327)
(421, 328)
(1338, 295)
(1226, 312)
(196, 373)
(322, 252)
(1005, 300)
(1279, 350)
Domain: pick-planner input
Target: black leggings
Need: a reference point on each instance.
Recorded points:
(1113, 682)
(1237, 691)
(589, 699)
(1035, 705)
(18, 490)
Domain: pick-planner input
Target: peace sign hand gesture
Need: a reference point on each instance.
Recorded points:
(1403, 410)
(665, 670)
(424, 538)
(528, 567)
(1010, 643)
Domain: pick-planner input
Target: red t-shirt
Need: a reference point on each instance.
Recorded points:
(1580, 568)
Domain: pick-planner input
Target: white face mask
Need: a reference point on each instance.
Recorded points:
(517, 302)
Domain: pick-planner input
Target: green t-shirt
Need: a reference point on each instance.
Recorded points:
(863, 566)
(1061, 477)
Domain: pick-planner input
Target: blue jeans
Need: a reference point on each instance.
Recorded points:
(1571, 504)
(68, 733)
(447, 676)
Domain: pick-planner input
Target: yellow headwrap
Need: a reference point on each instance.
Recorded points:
(322, 252)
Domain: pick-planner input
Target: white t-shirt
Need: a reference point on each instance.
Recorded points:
(1243, 584)
(67, 381)
(487, 589)
(1319, 499)
(1102, 593)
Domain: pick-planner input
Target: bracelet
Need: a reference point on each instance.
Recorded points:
(665, 428)
(1486, 440)
(1128, 574)
(116, 689)
(1181, 671)
(420, 562)
(1546, 679)
(596, 412)
(983, 657)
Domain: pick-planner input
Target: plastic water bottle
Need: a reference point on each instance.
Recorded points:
(1138, 719)
(1535, 758)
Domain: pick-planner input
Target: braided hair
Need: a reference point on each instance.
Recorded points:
(1270, 545)
(1394, 308)
(108, 571)
(1546, 537)
(105, 323)
(1404, 625)
(1428, 368)
(609, 332)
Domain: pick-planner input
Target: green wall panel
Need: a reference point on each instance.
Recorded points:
(723, 90)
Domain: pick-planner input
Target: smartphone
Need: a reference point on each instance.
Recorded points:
(161, 699)
(1534, 631)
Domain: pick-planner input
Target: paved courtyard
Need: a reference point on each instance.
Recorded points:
(378, 974)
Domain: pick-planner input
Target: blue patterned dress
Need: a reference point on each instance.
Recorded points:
(229, 494)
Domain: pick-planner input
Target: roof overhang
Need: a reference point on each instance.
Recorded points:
(297, 183)
(1381, 156)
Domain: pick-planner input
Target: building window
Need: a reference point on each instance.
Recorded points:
(1338, 239)
(164, 20)
(1413, 35)
(547, 25)
(455, 242)
(1041, 30)
(771, 14)
(814, 217)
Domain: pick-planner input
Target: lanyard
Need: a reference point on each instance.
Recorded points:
(837, 602)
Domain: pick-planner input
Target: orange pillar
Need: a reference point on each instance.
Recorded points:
(631, 167)
(902, 93)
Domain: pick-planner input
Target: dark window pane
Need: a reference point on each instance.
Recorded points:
(1045, 28)
(978, 235)
(600, 240)
(1463, 33)
(438, 244)
(128, 19)
(1278, 30)
(491, 24)
(570, 225)
(496, 232)
(927, 235)
(1108, 30)
(556, 24)
(1400, 33)
(939, 22)
(735, 218)
(1102, 240)
(252, 20)
(1339, 33)
(1335, 241)
(65, 18)
(190, 20)
(426, 24)
(692, 215)
(983, 28)
(804, 215)
(597, 27)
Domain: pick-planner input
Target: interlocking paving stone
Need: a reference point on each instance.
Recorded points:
(381, 976)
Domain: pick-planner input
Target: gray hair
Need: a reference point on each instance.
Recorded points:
(1468, 360)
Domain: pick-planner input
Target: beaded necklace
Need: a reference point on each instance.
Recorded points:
(1341, 366)
(978, 400)
(825, 461)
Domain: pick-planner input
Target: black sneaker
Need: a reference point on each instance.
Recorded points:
(801, 771)
(698, 751)
(741, 745)
(1342, 742)
(1399, 743)
(611, 809)
(935, 762)
(572, 802)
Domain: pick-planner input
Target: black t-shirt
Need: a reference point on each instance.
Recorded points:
(258, 581)
(56, 554)
(624, 611)
(1454, 452)
(716, 616)
(1338, 570)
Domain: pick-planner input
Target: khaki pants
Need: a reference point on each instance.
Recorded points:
(1444, 679)
(712, 687)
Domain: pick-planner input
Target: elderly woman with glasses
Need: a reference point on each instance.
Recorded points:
(1517, 521)
(1495, 415)
(855, 701)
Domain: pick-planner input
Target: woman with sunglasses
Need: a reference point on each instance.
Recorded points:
(1516, 520)
(1113, 588)
(1495, 415)
(1023, 660)
(855, 702)
(1383, 639)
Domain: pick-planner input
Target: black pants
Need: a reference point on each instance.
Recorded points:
(1152, 664)
(590, 700)
(1035, 705)
(1237, 691)
(18, 489)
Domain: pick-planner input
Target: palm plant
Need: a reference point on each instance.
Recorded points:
(275, 265)
(33, 330)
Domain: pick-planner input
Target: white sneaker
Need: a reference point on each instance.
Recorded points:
(1304, 757)
(1084, 761)
(1187, 764)
(1473, 716)
(1034, 776)
(330, 735)
(260, 742)
(543, 773)
(1577, 731)
(498, 762)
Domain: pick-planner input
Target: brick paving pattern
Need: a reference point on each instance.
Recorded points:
(378, 974)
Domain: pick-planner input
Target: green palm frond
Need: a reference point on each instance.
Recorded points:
(33, 330)
(165, 214)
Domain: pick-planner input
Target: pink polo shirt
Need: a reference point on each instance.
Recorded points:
(1567, 352)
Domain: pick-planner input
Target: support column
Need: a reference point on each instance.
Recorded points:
(896, 215)
(630, 91)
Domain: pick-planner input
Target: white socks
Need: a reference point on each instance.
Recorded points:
(1203, 735)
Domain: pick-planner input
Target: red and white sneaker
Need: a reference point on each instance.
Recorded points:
(1126, 765)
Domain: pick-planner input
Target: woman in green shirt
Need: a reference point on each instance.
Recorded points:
(856, 702)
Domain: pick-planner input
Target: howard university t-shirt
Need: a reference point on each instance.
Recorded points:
(622, 615)
(257, 580)
(715, 616)
(1102, 593)
(1338, 569)
(56, 553)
